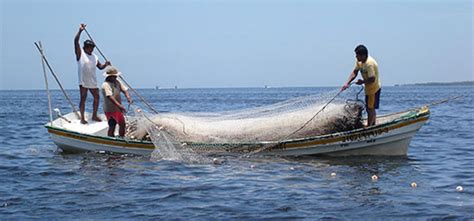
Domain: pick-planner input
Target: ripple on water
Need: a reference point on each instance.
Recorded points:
(39, 182)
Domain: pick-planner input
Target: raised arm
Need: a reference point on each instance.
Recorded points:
(77, 46)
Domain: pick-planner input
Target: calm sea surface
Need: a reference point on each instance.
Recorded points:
(38, 181)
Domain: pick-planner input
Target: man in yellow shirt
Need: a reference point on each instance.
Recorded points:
(370, 78)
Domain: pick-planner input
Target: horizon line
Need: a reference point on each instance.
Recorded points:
(263, 87)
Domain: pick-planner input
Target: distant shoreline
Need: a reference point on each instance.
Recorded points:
(457, 83)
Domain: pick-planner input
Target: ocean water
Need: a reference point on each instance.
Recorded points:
(38, 181)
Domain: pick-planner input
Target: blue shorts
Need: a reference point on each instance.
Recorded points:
(372, 101)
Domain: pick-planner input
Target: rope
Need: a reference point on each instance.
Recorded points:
(57, 79)
(444, 100)
(123, 79)
(296, 131)
(312, 118)
(358, 93)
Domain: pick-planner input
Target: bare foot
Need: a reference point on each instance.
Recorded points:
(95, 118)
(83, 121)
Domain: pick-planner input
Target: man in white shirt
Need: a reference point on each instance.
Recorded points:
(87, 62)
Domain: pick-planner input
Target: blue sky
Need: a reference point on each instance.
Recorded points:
(240, 43)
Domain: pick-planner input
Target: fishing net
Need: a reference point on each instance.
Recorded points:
(247, 130)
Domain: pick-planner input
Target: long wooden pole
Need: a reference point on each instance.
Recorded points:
(50, 111)
(98, 49)
(57, 80)
(122, 78)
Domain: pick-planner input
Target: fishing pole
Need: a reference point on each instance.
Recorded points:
(47, 87)
(122, 78)
(40, 49)
(444, 100)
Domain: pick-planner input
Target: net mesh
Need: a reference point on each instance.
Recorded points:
(180, 135)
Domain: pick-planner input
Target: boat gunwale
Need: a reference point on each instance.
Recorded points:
(420, 113)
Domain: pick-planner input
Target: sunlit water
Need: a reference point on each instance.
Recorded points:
(38, 181)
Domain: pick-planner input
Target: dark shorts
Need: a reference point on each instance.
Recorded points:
(372, 101)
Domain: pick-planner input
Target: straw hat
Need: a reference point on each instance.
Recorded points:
(112, 71)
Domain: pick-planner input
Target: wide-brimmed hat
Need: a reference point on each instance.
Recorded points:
(112, 71)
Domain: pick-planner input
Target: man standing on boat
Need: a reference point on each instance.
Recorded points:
(113, 108)
(370, 78)
(87, 62)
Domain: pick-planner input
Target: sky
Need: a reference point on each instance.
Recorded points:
(239, 43)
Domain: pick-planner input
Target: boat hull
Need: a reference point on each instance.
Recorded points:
(392, 143)
(74, 143)
(387, 139)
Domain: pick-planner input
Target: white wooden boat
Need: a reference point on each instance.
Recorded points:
(390, 137)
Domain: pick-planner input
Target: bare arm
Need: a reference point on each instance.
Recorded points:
(77, 46)
(101, 66)
(116, 103)
(368, 81)
(352, 76)
(125, 91)
(127, 95)
(371, 79)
